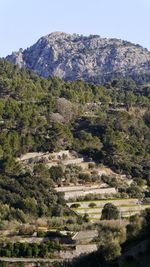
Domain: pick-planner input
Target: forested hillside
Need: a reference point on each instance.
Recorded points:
(108, 123)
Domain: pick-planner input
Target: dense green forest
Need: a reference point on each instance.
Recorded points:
(24, 196)
(108, 123)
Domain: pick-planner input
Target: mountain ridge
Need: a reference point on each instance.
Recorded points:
(91, 58)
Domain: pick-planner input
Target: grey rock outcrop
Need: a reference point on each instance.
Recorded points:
(89, 58)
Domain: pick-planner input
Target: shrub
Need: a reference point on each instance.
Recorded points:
(91, 165)
(109, 212)
(86, 217)
(92, 205)
(75, 205)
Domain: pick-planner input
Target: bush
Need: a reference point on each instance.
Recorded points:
(75, 206)
(92, 205)
(110, 212)
(112, 251)
(86, 217)
(84, 177)
(91, 165)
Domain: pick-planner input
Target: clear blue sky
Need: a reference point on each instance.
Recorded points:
(22, 22)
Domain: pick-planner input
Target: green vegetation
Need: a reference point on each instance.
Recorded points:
(42, 250)
(92, 205)
(56, 173)
(75, 206)
(107, 124)
(45, 115)
(115, 240)
(23, 195)
(109, 212)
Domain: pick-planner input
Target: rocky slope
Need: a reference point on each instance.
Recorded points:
(89, 58)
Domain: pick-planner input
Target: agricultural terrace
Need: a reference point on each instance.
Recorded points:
(127, 207)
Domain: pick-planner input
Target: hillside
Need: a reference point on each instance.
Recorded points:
(39, 115)
(56, 136)
(89, 58)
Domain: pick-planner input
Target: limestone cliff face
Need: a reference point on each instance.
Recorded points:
(89, 58)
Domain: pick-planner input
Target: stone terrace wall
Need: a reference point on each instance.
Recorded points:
(101, 191)
(80, 249)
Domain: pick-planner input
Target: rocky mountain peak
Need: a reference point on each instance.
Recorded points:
(91, 58)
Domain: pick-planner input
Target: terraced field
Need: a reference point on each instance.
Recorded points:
(127, 207)
(83, 190)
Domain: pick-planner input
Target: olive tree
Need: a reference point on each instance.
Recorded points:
(110, 212)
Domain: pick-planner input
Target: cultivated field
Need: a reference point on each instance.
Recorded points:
(81, 191)
(127, 207)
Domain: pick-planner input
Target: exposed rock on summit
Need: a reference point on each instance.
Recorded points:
(92, 58)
